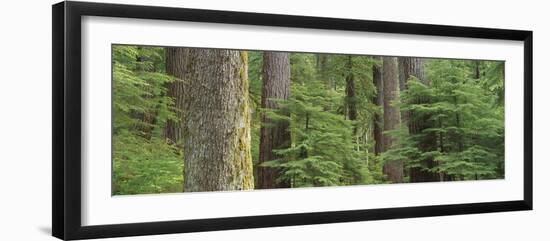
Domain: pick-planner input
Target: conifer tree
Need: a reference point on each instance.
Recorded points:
(177, 60)
(216, 116)
(274, 134)
(393, 168)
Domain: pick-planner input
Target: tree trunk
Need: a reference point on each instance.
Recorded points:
(379, 101)
(273, 135)
(216, 116)
(351, 104)
(147, 117)
(322, 67)
(351, 99)
(410, 67)
(477, 72)
(177, 60)
(392, 168)
(402, 79)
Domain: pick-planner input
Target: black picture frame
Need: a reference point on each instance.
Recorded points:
(66, 152)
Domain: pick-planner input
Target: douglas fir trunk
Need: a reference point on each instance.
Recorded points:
(216, 121)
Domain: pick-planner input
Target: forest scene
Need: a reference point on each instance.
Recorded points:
(197, 119)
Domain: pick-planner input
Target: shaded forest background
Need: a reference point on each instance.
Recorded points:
(189, 119)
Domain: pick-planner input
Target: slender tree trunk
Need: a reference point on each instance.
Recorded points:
(442, 176)
(147, 117)
(414, 67)
(393, 168)
(273, 135)
(216, 116)
(177, 61)
(477, 72)
(379, 101)
(322, 66)
(477, 75)
(351, 100)
(402, 78)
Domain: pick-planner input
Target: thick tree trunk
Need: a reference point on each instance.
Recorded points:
(414, 67)
(273, 135)
(393, 168)
(379, 101)
(216, 116)
(177, 60)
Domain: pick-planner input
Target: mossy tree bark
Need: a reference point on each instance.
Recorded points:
(216, 122)
(273, 135)
(392, 168)
(177, 60)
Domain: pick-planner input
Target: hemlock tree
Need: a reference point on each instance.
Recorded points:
(392, 168)
(216, 120)
(274, 134)
(305, 119)
(142, 163)
(464, 119)
(419, 171)
(321, 147)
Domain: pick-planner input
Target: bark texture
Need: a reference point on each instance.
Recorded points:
(216, 118)
(393, 168)
(410, 66)
(177, 60)
(379, 101)
(273, 135)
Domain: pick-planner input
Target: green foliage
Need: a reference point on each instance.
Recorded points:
(323, 152)
(465, 133)
(142, 160)
(145, 166)
(255, 94)
(460, 111)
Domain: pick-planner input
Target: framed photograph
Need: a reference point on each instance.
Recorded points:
(172, 120)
